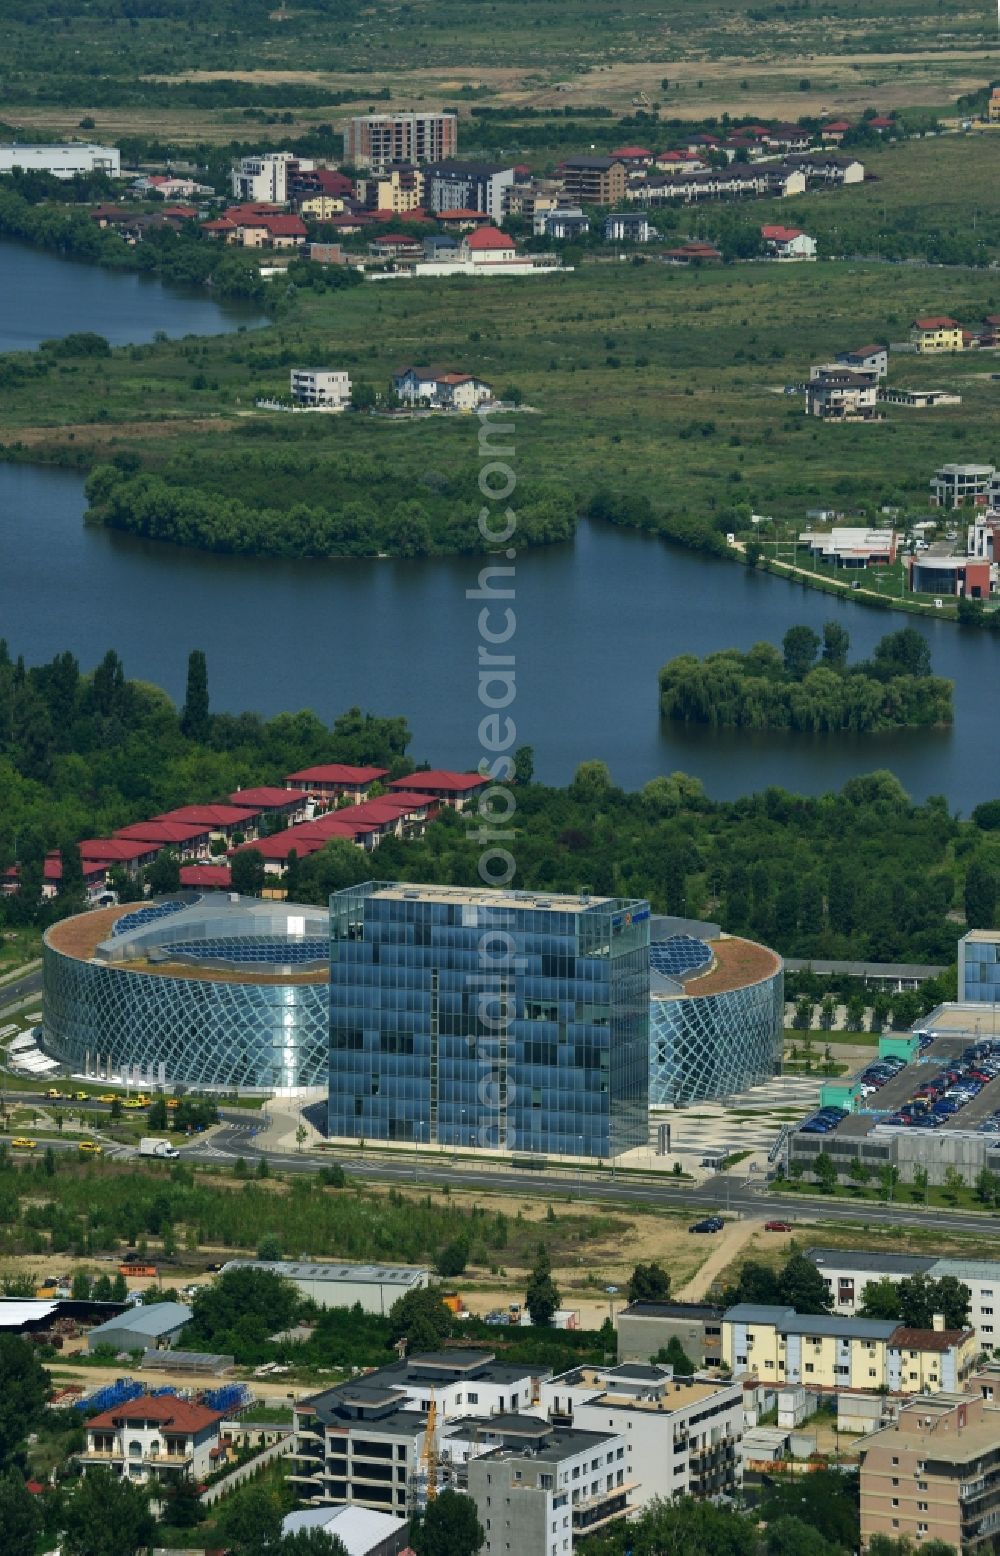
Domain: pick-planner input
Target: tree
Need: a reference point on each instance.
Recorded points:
(453, 1258)
(72, 893)
(312, 1542)
(363, 396)
(649, 1283)
(243, 1306)
(183, 1505)
(250, 1522)
(421, 1318)
(880, 1299)
(825, 1500)
(953, 1184)
(791, 1536)
(194, 715)
(902, 653)
(855, 1013)
(987, 1187)
(107, 1515)
(449, 1526)
(163, 876)
(756, 1283)
(802, 1015)
(801, 1286)
(524, 764)
(980, 894)
(247, 873)
(270, 1250)
(836, 645)
(825, 1171)
(827, 1012)
(23, 1389)
(542, 1295)
(20, 1517)
(157, 1117)
(888, 1178)
(674, 1355)
(858, 1172)
(799, 648)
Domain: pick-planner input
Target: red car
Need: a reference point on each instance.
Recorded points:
(777, 1226)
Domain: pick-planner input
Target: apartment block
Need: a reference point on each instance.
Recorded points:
(265, 178)
(377, 139)
(934, 1473)
(848, 1271)
(468, 187)
(397, 187)
(647, 1327)
(594, 180)
(682, 1435)
(953, 485)
(777, 1344)
(537, 1497)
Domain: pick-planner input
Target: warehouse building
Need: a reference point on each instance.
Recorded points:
(374, 1286)
(79, 157)
(155, 1327)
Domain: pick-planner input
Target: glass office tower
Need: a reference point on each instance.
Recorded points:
(470, 1017)
(979, 967)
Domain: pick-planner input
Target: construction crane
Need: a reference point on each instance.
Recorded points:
(429, 1454)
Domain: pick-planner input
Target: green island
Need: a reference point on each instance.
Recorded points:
(802, 688)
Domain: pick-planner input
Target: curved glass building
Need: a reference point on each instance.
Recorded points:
(716, 1014)
(208, 991)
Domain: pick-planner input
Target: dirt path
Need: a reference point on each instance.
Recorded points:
(727, 1245)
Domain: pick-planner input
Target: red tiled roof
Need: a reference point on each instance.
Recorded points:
(461, 213)
(632, 151)
(411, 799)
(337, 772)
(52, 869)
(162, 831)
(936, 322)
(864, 351)
(184, 211)
(281, 844)
(880, 122)
(440, 778)
(212, 815)
(489, 238)
(268, 796)
(906, 1339)
(172, 1414)
(221, 224)
(285, 226)
(212, 875)
(113, 848)
(838, 126)
(396, 239)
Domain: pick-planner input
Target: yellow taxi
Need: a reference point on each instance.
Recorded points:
(108, 1096)
(82, 1096)
(91, 1146)
(173, 1102)
(135, 1102)
(22, 1143)
(53, 1093)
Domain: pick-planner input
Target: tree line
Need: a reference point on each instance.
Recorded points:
(802, 689)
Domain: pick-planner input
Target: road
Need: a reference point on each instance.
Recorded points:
(726, 1195)
(20, 989)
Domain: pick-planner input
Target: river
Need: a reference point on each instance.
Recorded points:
(595, 619)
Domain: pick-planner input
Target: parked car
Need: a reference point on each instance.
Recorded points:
(777, 1226)
(709, 1224)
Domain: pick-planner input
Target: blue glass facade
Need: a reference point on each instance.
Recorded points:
(979, 967)
(502, 1020)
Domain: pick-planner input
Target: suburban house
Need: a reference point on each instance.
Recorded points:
(594, 180)
(953, 485)
(154, 1438)
(395, 245)
(827, 167)
(937, 332)
(869, 359)
(336, 781)
(629, 227)
(989, 334)
(441, 390)
(692, 253)
(562, 222)
(462, 220)
(487, 246)
(320, 388)
(834, 132)
(455, 789)
(788, 243)
(634, 157)
(840, 394)
(257, 226)
(993, 106)
(788, 138)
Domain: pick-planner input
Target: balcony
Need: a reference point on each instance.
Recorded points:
(603, 1509)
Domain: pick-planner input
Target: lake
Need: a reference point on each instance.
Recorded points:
(595, 620)
(43, 295)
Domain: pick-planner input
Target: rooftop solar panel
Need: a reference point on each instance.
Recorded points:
(142, 916)
(679, 954)
(255, 950)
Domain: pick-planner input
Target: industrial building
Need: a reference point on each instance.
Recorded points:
(155, 1326)
(512, 1021)
(77, 157)
(219, 992)
(373, 1287)
(716, 1023)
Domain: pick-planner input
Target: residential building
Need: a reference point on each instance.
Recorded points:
(321, 207)
(78, 157)
(397, 187)
(644, 1328)
(629, 227)
(320, 387)
(993, 107)
(155, 1326)
(563, 222)
(834, 132)
(954, 575)
(826, 168)
(982, 536)
(232, 823)
(336, 780)
(379, 139)
(692, 253)
(396, 246)
(155, 1438)
(265, 177)
(467, 186)
(594, 180)
(455, 789)
(788, 243)
(788, 138)
(362, 1442)
(934, 1474)
(256, 227)
(841, 394)
(546, 1051)
(360, 1530)
(372, 1287)
(545, 1489)
(441, 391)
(277, 804)
(190, 839)
(847, 1271)
(868, 359)
(681, 1434)
(918, 399)
(953, 485)
(989, 334)
(828, 1352)
(487, 246)
(937, 332)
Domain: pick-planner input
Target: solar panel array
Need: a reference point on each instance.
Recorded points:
(679, 954)
(248, 950)
(145, 916)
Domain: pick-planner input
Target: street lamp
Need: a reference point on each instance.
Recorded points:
(416, 1142)
(579, 1169)
(612, 1292)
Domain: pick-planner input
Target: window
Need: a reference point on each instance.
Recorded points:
(809, 1367)
(988, 1310)
(921, 1507)
(895, 1523)
(895, 1461)
(921, 1529)
(872, 1372)
(921, 1485)
(473, 1399)
(895, 1478)
(895, 1501)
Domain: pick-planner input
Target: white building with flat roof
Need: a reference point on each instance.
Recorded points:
(375, 1286)
(320, 388)
(851, 545)
(64, 161)
(847, 1271)
(264, 178)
